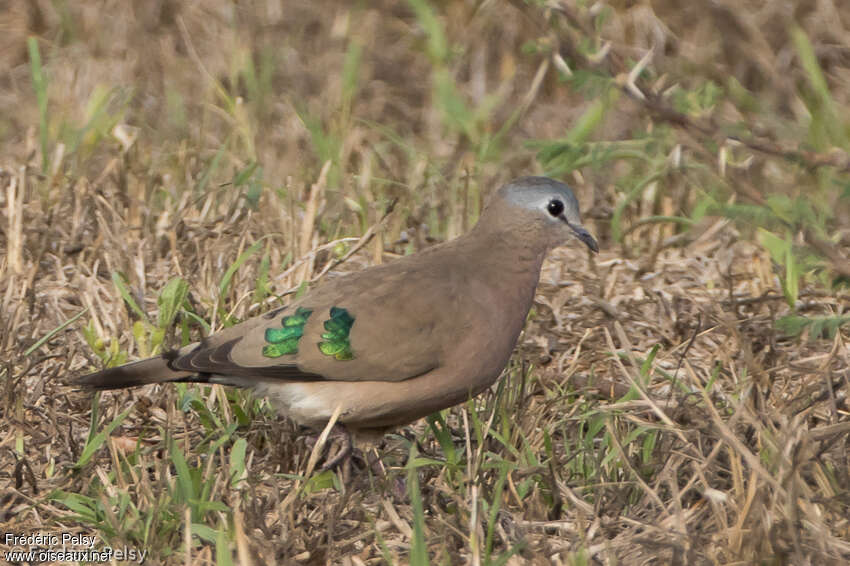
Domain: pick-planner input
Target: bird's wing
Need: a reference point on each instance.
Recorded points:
(380, 324)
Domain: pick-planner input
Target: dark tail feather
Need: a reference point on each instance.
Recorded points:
(152, 370)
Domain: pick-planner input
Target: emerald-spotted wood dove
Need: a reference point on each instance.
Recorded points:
(394, 342)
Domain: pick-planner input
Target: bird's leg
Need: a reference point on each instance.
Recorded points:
(345, 449)
(396, 484)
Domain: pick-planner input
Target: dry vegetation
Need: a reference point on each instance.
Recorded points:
(679, 399)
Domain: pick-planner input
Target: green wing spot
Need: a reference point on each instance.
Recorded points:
(277, 335)
(337, 342)
(299, 318)
(283, 341)
(282, 349)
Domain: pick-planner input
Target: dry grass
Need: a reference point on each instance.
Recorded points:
(652, 413)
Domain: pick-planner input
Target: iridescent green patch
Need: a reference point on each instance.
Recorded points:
(337, 342)
(284, 340)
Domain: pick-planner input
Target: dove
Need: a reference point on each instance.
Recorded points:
(394, 342)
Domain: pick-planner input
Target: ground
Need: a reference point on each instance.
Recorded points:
(169, 168)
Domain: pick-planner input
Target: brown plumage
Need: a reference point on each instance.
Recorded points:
(394, 342)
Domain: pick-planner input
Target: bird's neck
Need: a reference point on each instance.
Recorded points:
(510, 253)
(505, 277)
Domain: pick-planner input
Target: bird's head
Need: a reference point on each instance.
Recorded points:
(547, 206)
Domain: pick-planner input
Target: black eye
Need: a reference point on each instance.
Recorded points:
(555, 207)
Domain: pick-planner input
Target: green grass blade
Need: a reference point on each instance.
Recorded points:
(98, 439)
(418, 546)
(54, 332)
(124, 290)
(204, 180)
(39, 84)
(495, 505)
(223, 556)
(185, 485)
(237, 461)
(170, 300)
(224, 285)
(261, 288)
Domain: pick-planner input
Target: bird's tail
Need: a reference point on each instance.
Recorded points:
(151, 370)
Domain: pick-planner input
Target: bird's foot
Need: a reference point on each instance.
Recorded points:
(338, 448)
(343, 454)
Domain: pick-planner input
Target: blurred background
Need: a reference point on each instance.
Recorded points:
(168, 168)
(647, 108)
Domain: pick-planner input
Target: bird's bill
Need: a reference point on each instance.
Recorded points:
(585, 237)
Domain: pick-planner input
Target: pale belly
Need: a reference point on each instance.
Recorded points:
(367, 404)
